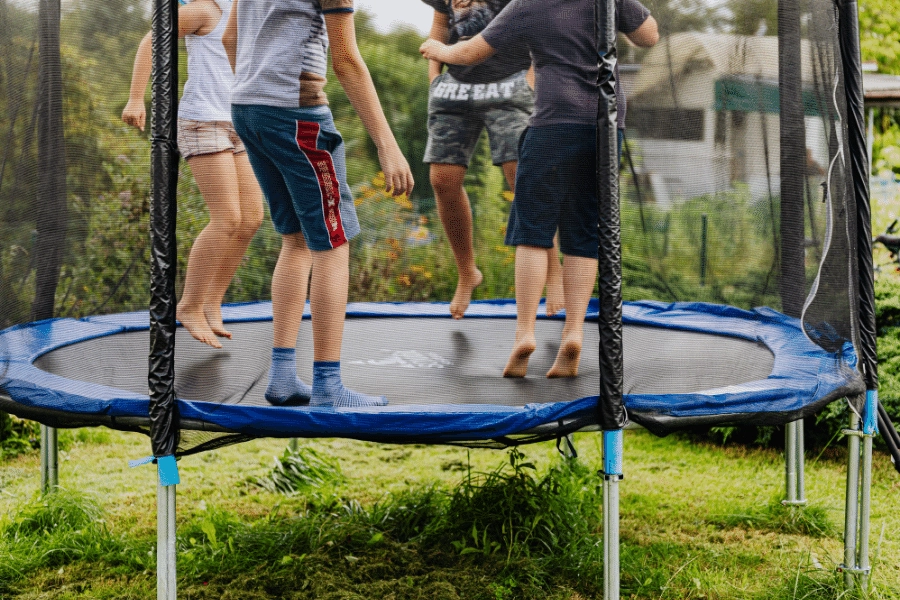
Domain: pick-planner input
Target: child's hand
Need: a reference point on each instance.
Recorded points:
(398, 179)
(433, 50)
(135, 114)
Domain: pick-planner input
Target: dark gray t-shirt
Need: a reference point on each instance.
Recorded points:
(560, 36)
(467, 19)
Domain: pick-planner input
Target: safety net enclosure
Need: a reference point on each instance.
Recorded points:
(738, 239)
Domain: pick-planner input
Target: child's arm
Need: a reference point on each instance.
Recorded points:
(440, 27)
(229, 36)
(646, 35)
(135, 113)
(354, 77)
(198, 17)
(469, 52)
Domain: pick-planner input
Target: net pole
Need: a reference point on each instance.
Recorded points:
(51, 206)
(792, 141)
(163, 263)
(612, 411)
(612, 416)
(164, 180)
(866, 425)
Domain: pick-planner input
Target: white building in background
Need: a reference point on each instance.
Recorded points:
(703, 111)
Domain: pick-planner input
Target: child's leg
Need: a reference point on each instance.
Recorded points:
(556, 295)
(579, 276)
(456, 217)
(251, 215)
(290, 282)
(556, 300)
(531, 273)
(219, 241)
(328, 304)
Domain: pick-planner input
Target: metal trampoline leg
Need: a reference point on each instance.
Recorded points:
(865, 511)
(795, 493)
(851, 518)
(49, 459)
(612, 474)
(166, 587)
(801, 463)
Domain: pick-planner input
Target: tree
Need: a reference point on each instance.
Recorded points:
(879, 26)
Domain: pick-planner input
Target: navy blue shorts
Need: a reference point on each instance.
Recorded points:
(298, 157)
(556, 187)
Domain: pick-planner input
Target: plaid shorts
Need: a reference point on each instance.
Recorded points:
(207, 137)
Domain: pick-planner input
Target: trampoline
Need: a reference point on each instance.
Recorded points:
(741, 222)
(685, 364)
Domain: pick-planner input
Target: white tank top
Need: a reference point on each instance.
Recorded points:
(207, 91)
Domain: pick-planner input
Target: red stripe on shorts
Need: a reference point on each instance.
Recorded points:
(329, 186)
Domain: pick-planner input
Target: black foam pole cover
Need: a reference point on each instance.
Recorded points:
(163, 208)
(859, 184)
(611, 407)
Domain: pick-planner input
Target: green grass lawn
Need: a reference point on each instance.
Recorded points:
(416, 522)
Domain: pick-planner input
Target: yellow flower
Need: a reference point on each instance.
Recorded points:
(404, 279)
(392, 255)
(378, 180)
(508, 196)
(418, 269)
(393, 243)
(403, 201)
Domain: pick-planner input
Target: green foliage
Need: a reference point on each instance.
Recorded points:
(299, 470)
(879, 28)
(58, 530)
(663, 250)
(749, 15)
(886, 149)
(17, 436)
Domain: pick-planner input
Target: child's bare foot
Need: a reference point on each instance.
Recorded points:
(214, 320)
(567, 358)
(556, 298)
(195, 323)
(463, 296)
(517, 365)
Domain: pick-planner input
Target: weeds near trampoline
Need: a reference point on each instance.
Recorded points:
(810, 521)
(298, 470)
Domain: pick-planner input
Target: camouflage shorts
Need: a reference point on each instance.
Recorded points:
(458, 112)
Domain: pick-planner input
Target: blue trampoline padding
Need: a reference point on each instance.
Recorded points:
(803, 374)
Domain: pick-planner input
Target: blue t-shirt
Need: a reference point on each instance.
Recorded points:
(561, 37)
(467, 18)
